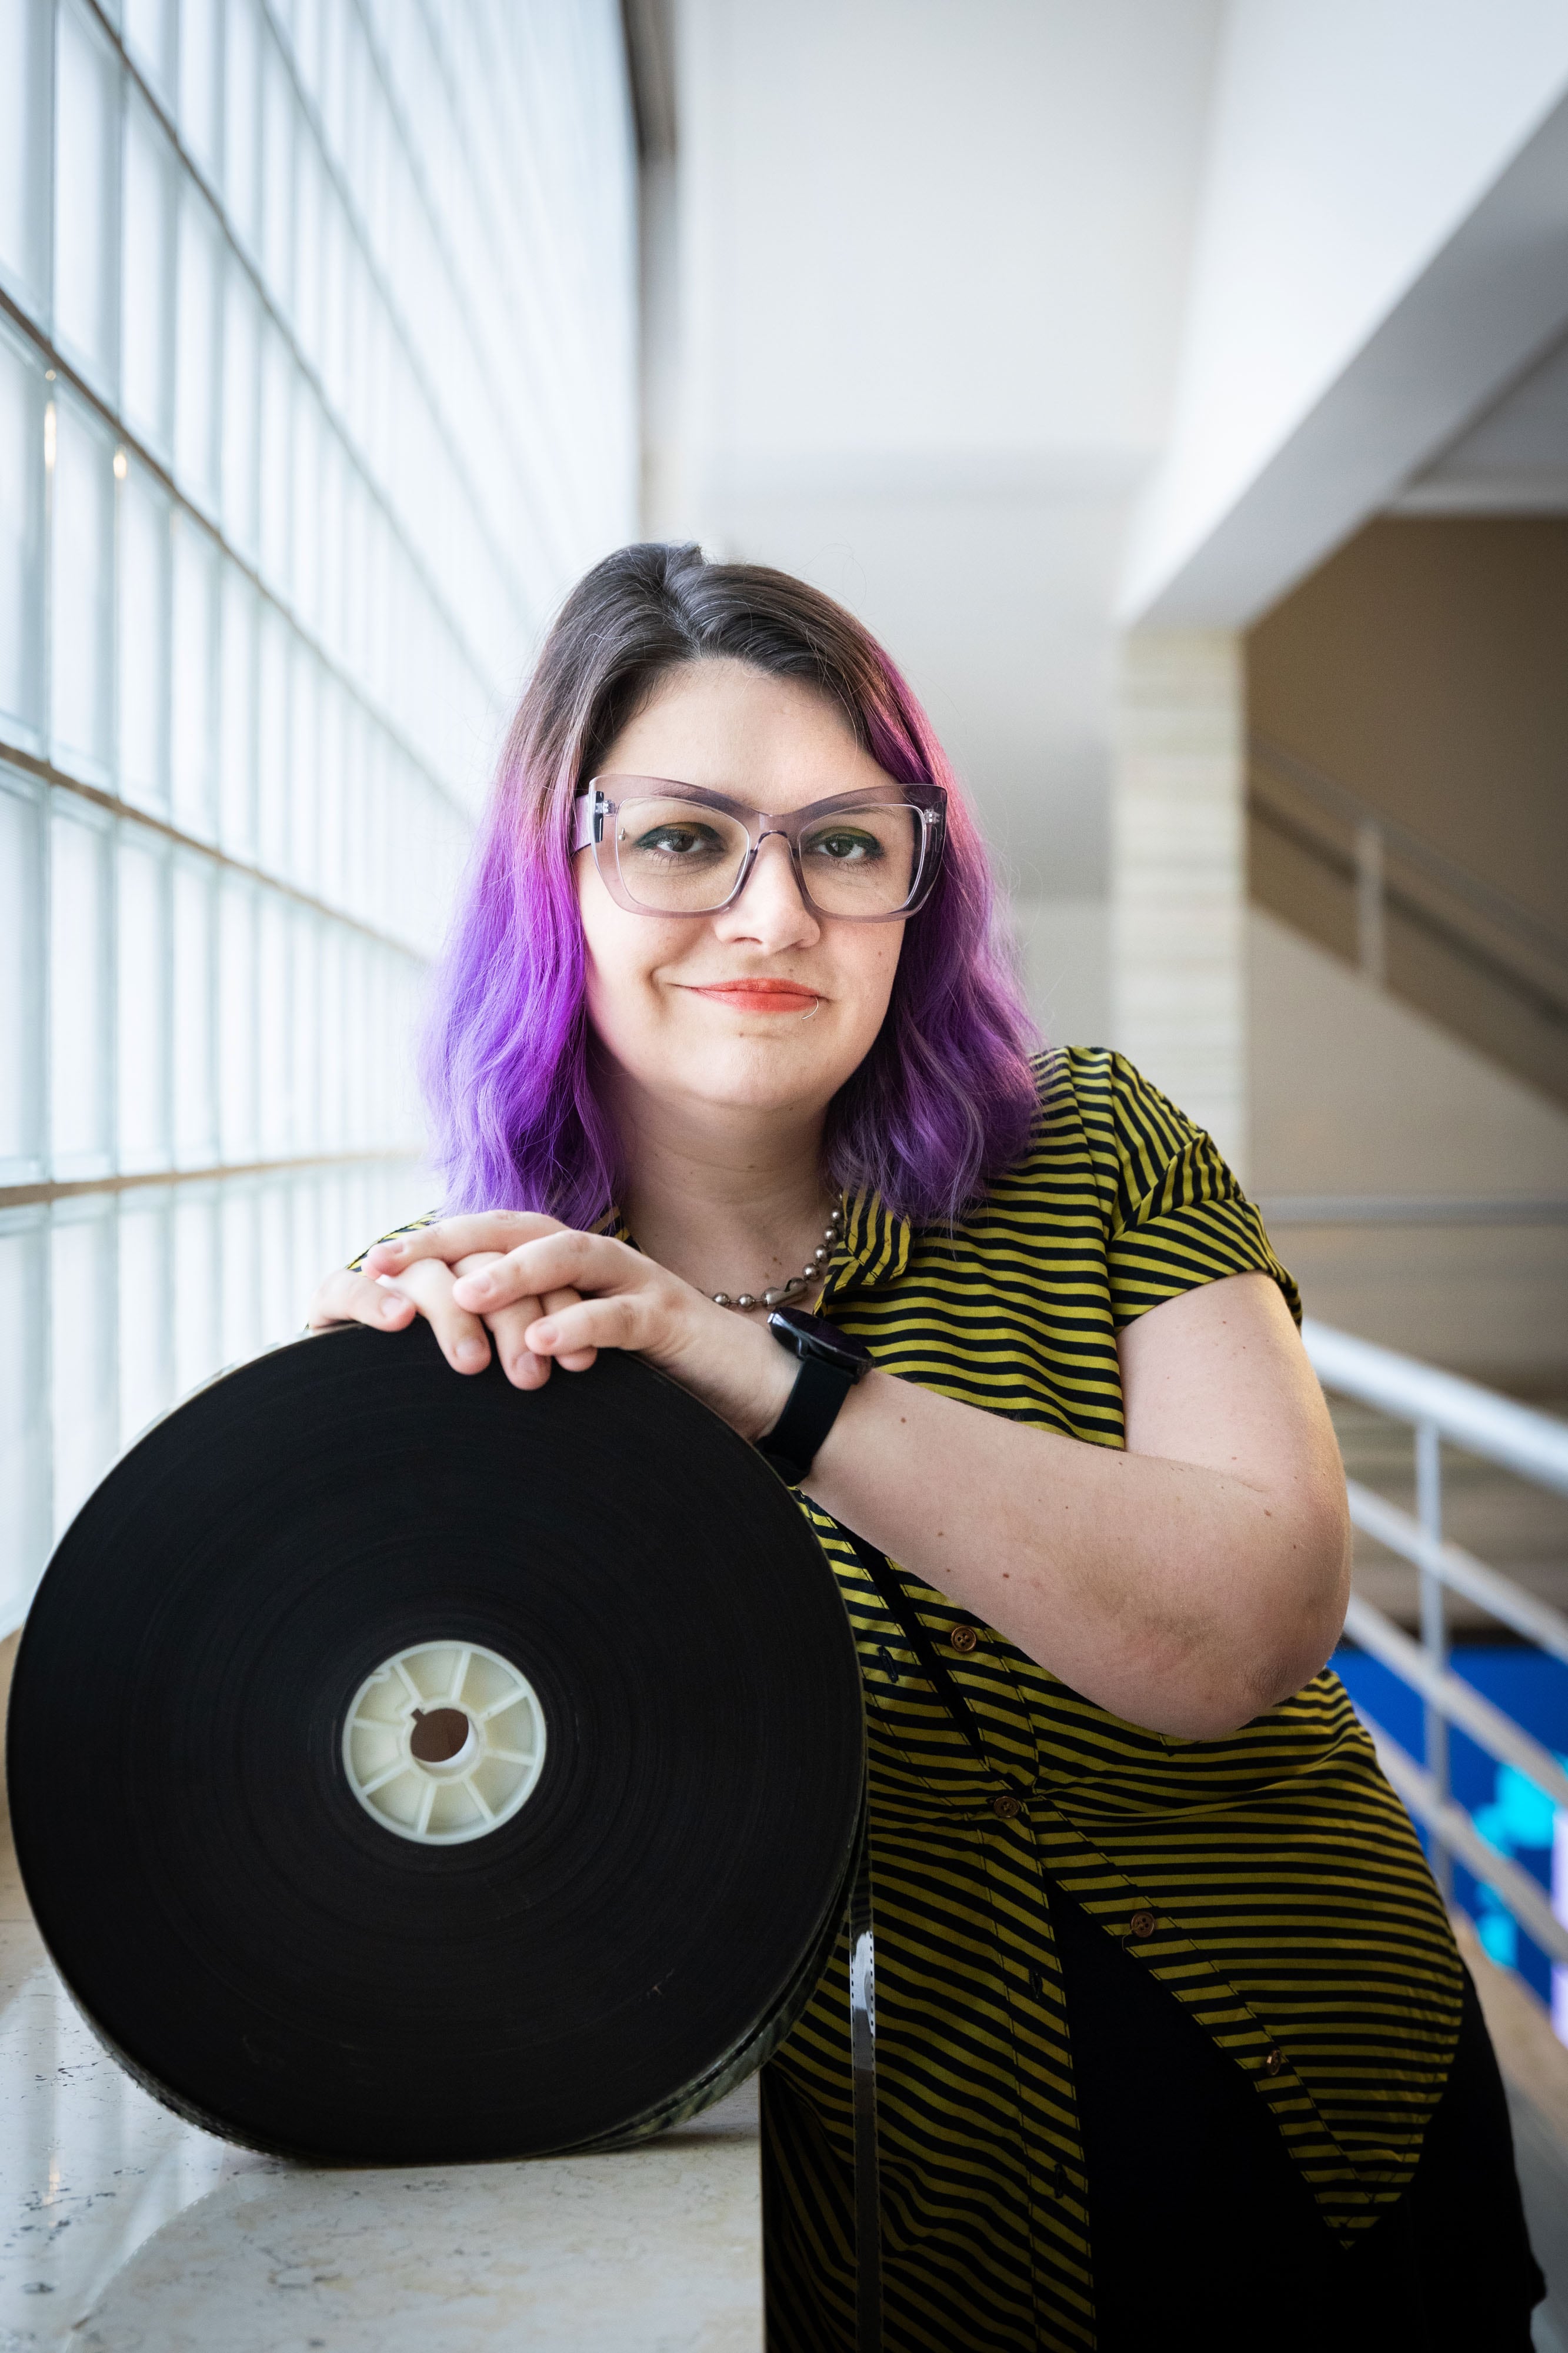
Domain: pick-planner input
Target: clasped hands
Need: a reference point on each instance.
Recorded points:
(540, 1293)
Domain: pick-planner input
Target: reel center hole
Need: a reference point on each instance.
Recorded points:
(444, 1742)
(439, 1736)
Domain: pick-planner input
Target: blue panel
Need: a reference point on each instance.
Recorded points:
(1532, 1689)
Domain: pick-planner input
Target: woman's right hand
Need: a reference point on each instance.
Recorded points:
(424, 1287)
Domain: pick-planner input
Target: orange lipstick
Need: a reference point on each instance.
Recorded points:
(761, 996)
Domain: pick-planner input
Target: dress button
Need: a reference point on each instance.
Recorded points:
(1273, 2061)
(964, 1638)
(1141, 1924)
(1006, 1805)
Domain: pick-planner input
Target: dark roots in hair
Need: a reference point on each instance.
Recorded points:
(945, 1099)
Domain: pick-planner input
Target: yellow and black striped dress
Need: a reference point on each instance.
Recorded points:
(1270, 1881)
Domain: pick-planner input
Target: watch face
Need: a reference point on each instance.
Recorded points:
(813, 1335)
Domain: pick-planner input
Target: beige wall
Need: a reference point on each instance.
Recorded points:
(1426, 667)
(1352, 1093)
(1177, 1002)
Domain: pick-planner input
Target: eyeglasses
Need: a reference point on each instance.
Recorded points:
(668, 849)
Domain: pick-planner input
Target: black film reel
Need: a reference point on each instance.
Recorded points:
(283, 1684)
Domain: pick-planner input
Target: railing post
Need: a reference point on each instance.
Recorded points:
(1433, 1630)
(1371, 940)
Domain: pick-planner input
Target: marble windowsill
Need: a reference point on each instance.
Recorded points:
(126, 2230)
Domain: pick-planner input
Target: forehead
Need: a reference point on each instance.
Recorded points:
(773, 741)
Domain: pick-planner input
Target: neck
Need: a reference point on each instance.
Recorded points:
(727, 1198)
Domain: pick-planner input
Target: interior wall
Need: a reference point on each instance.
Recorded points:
(993, 608)
(1422, 667)
(1426, 667)
(1064, 958)
(931, 266)
(1354, 1094)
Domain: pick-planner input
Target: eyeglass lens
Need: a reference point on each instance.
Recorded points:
(677, 859)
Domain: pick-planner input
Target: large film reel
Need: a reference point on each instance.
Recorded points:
(404, 1768)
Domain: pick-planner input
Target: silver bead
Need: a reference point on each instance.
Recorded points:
(820, 1256)
(745, 1301)
(807, 1272)
(722, 1299)
(775, 1298)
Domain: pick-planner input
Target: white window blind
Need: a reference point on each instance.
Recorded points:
(317, 390)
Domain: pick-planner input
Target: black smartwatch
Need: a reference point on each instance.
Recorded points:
(831, 1362)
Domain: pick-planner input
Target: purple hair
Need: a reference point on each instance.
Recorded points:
(945, 1101)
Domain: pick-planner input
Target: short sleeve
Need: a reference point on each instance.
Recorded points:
(413, 1227)
(1180, 1218)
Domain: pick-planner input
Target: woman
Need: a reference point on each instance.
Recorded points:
(1173, 2041)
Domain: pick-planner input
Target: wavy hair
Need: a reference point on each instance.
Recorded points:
(945, 1101)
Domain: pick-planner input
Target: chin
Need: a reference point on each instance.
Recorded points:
(768, 1081)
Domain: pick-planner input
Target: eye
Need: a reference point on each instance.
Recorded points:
(846, 845)
(682, 842)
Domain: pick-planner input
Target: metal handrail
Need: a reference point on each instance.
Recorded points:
(1460, 1570)
(1438, 1406)
(1354, 812)
(1453, 1830)
(1533, 1444)
(1460, 1701)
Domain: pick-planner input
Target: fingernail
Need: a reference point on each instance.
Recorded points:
(541, 1335)
(478, 1287)
(470, 1352)
(390, 1249)
(392, 1308)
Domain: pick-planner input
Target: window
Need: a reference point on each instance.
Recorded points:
(278, 513)
(87, 150)
(23, 403)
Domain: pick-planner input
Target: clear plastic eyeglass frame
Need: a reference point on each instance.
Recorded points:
(603, 798)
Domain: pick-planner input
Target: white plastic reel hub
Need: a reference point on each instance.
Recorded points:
(444, 1742)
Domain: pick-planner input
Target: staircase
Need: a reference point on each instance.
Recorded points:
(1447, 1480)
(1411, 918)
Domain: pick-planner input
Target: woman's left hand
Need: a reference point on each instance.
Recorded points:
(626, 1302)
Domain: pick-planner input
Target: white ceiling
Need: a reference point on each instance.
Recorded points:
(1383, 246)
(1513, 459)
(955, 289)
(932, 263)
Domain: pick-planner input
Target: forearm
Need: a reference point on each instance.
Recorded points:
(1187, 1583)
(1180, 1597)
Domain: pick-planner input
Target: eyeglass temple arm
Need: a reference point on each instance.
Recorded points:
(588, 819)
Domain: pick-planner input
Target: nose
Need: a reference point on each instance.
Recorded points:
(772, 908)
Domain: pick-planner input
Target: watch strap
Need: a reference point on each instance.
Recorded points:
(790, 1447)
